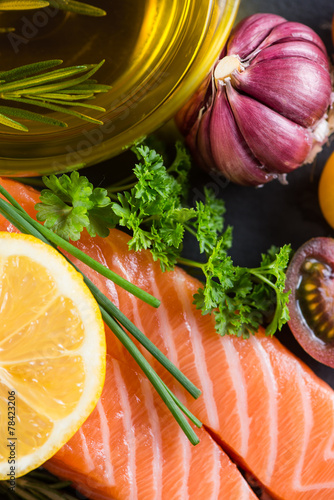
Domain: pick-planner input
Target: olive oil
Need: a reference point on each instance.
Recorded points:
(49, 33)
(148, 46)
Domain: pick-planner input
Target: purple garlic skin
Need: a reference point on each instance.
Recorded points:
(262, 112)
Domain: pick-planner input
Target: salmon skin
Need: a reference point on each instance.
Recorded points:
(261, 404)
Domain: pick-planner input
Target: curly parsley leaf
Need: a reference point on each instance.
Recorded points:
(71, 204)
(209, 222)
(242, 299)
(154, 210)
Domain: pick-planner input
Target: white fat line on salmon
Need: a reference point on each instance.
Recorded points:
(329, 451)
(96, 253)
(308, 425)
(156, 433)
(245, 493)
(186, 454)
(239, 385)
(119, 267)
(130, 439)
(147, 392)
(216, 473)
(162, 314)
(129, 271)
(87, 455)
(199, 353)
(105, 434)
(171, 349)
(172, 354)
(271, 385)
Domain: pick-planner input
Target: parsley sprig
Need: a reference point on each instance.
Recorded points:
(243, 298)
(154, 210)
(118, 323)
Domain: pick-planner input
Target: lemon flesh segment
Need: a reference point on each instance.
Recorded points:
(52, 352)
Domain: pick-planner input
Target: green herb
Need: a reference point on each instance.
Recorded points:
(39, 85)
(68, 5)
(154, 210)
(22, 4)
(242, 298)
(71, 203)
(114, 319)
(38, 484)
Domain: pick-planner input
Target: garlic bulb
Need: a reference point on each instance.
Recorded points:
(262, 112)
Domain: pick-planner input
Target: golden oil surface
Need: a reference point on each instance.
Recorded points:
(49, 33)
(148, 47)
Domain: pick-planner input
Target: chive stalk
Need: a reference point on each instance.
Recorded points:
(83, 257)
(24, 223)
(142, 339)
(159, 385)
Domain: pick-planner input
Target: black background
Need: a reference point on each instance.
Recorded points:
(278, 214)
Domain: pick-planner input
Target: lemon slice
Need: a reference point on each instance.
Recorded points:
(52, 353)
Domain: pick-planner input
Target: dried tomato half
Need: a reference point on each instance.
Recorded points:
(310, 277)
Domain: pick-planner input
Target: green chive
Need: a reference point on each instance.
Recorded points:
(83, 257)
(156, 381)
(17, 216)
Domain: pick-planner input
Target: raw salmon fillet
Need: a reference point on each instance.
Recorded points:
(130, 447)
(259, 402)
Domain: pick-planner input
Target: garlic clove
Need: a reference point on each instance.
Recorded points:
(203, 142)
(231, 155)
(298, 48)
(290, 31)
(250, 33)
(187, 116)
(278, 143)
(273, 77)
(295, 87)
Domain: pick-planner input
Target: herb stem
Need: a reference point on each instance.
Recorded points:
(149, 219)
(190, 263)
(100, 268)
(185, 410)
(82, 256)
(120, 183)
(261, 277)
(18, 220)
(190, 230)
(17, 216)
(117, 189)
(156, 381)
(145, 342)
(113, 196)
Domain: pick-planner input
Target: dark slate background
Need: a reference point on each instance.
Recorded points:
(278, 214)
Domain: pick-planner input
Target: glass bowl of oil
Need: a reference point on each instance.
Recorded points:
(157, 52)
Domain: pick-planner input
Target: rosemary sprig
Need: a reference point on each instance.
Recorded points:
(18, 217)
(77, 7)
(67, 5)
(22, 4)
(39, 484)
(40, 85)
